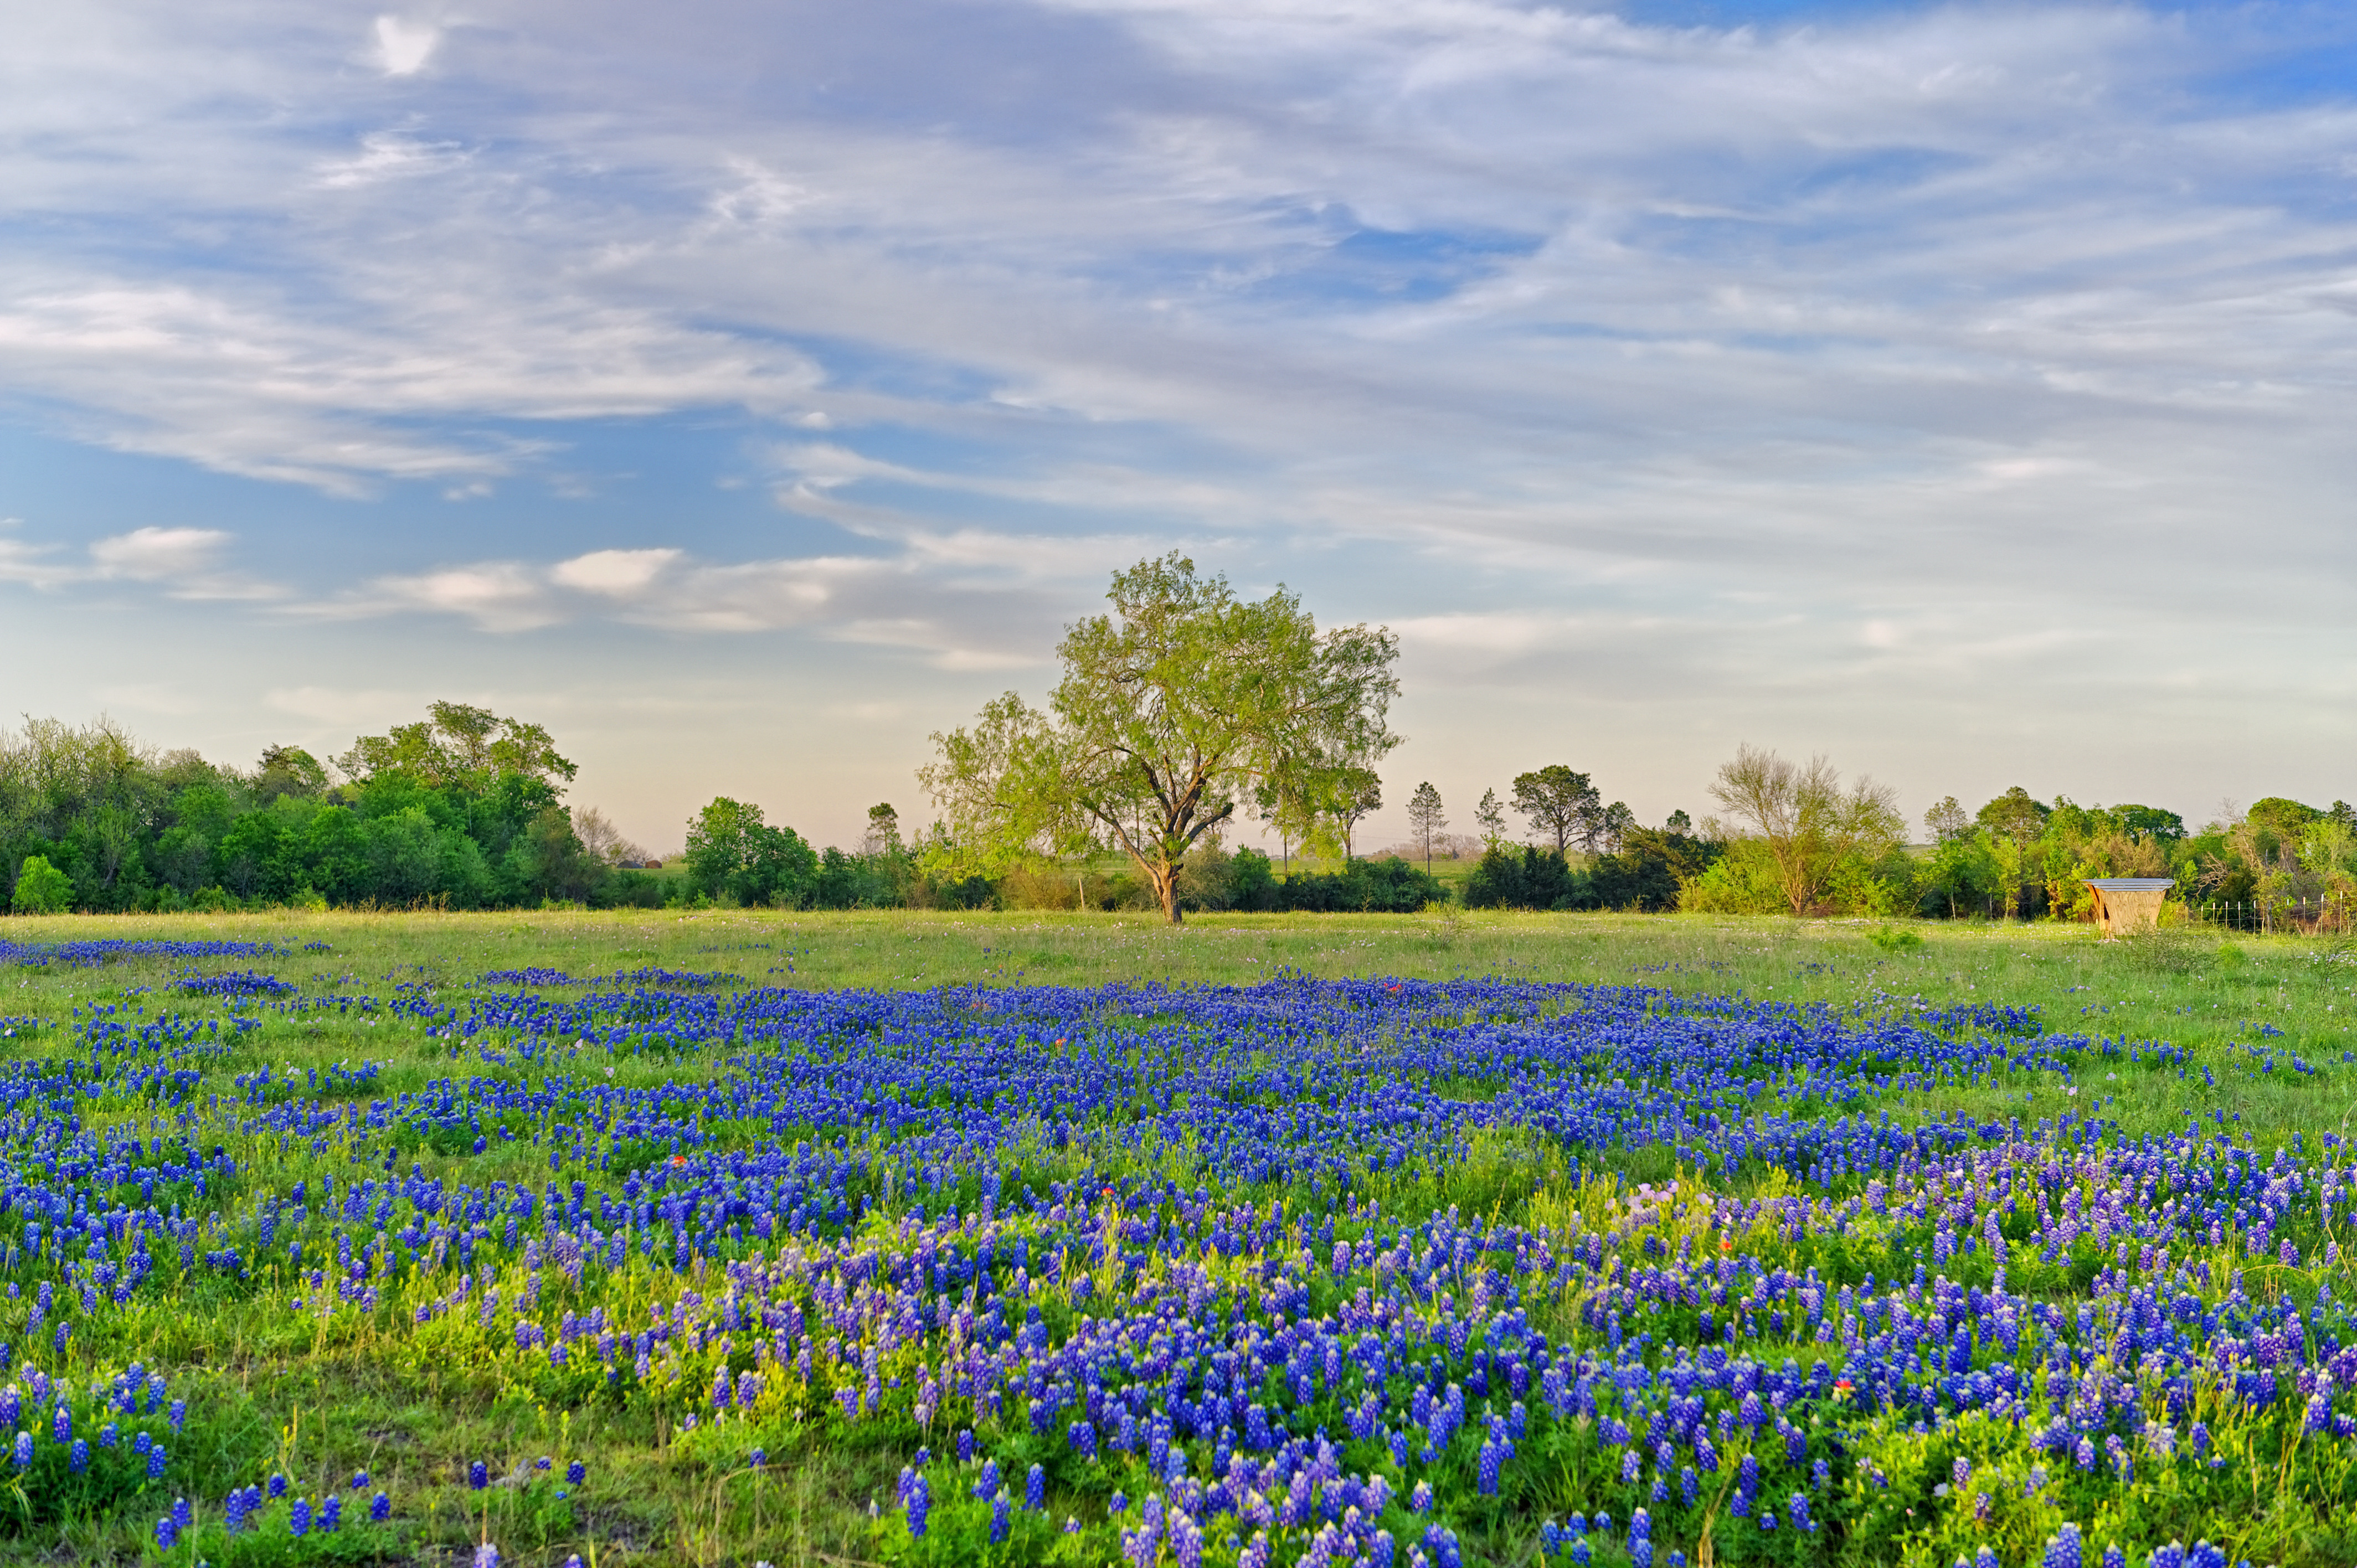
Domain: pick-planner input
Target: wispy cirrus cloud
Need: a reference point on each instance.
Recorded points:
(181, 563)
(896, 603)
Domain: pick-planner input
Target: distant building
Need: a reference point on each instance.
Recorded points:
(2125, 903)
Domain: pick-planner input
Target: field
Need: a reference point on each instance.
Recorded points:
(731, 1237)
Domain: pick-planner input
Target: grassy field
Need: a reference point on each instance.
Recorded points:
(295, 1096)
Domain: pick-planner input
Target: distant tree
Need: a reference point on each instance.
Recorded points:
(732, 852)
(1491, 814)
(1679, 822)
(603, 840)
(1559, 804)
(2150, 822)
(1965, 872)
(1613, 826)
(288, 770)
(882, 835)
(1357, 795)
(41, 888)
(1810, 825)
(458, 744)
(2284, 821)
(1170, 709)
(2017, 816)
(1425, 818)
(552, 860)
(1282, 810)
(1947, 820)
(2013, 822)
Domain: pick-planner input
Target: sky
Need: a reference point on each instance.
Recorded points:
(746, 390)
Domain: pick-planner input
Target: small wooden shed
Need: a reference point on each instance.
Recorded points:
(2125, 904)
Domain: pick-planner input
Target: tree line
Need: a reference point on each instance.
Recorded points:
(1181, 715)
(462, 809)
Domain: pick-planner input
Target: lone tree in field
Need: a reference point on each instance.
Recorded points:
(1560, 804)
(1811, 824)
(1424, 818)
(1181, 701)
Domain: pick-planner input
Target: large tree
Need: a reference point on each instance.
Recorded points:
(1561, 804)
(1812, 825)
(1171, 708)
(459, 745)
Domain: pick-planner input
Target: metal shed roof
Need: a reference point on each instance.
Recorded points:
(2129, 884)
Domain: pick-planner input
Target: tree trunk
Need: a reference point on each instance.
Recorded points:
(1166, 887)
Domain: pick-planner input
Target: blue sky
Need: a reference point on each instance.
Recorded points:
(748, 390)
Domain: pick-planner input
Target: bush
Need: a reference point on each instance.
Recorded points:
(1527, 878)
(1742, 881)
(41, 888)
(1040, 887)
(1651, 870)
(859, 881)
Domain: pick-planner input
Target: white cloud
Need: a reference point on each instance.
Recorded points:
(619, 573)
(498, 595)
(989, 624)
(29, 564)
(389, 155)
(186, 562)
(150, 554)
(404, 47)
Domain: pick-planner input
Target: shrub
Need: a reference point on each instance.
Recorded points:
(41, 888)
(1040, 887)
(1527, 878)
(1361, 886)
(1651, 869)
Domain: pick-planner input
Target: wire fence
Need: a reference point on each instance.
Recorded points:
(2328, 914)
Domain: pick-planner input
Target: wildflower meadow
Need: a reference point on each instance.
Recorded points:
(1415, 1243)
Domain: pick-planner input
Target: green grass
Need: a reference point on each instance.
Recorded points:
(266, 1393)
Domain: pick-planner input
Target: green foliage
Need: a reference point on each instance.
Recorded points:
(1743, 880)
(2015, 815)
(733, 855)
(1426, 817)
(1171, 710)
(1651, 869)
(1962, 877)
(1832, 847)
(1526, 877)
(460, 811)
(550, 860)
(1388, 887)
(2284, 819)
(41, 888)
(454, 745)
(1562, 805)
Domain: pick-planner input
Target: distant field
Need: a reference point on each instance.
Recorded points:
(287, 1182)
